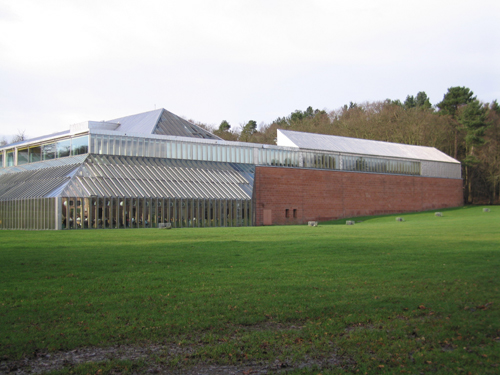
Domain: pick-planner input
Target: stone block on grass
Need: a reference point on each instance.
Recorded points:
(400, 219)
(350, 222)
(486, 210)
(438, 214)
(312, 223)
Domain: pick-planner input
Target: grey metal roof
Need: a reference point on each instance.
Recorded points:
(161, 122)
(312, 141)
(139, 123)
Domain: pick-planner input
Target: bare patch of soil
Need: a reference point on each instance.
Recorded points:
(148, 354)
(42, 363)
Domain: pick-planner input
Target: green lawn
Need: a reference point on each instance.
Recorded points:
(380, 296)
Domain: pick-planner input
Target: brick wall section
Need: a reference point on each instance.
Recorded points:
(326, 195)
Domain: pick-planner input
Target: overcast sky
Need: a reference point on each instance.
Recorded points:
(68, 61)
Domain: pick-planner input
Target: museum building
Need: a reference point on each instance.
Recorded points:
(154, 168)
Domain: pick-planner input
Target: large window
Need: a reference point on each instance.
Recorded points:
(22, 156)
(49, 151)
(1, 159)
(60, 149)
(35, 154)
(80, 145)
(63, 148)
(10, 158)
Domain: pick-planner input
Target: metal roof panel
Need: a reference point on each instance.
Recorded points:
(334, 143)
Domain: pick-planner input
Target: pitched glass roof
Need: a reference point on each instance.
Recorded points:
(35, 183)
(125, 176)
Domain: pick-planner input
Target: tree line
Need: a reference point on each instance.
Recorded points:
(459, 125)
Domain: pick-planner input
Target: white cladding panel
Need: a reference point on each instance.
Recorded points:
(444, 170)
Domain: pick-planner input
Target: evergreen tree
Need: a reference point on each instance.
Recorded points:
(455, 98)
(422, 101)
(410, 102)
(473, 119)
(248, 130)
(224, 126)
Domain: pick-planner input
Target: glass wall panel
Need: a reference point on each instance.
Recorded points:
(111, 146)
(22, 156)
(89, 214)
(168, 147)
(85, 213)
(120, 213)
(178, 147)
(147, 212)
(157, 148)
(10, 158)
(49, 151)
(80, 145)
(170, 212)
(110, 213)
(78, 213)
(177, 213)
(153, 216)
(63, 148)
(35, 154)
(140, 147)
(126, 212)
(101, 213)
(128, 148)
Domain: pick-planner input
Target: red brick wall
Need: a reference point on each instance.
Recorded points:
(326, 195)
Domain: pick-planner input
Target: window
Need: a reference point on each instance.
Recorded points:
(49, 151)
(1, 159)
(80, 145)
(22, 156)
(294, 213)
(287, 213)
(63, 148)
(35, 154)
(10, 158)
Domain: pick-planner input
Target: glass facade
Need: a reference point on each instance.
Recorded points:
(227, 153)
(30, 213)
(378, 165)
(47, 151)
(269, 155)
(125, 212)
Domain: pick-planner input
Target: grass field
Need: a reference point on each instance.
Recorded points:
(380, 296)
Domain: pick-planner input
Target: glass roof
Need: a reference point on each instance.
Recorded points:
(35, 183)
(126, 176)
